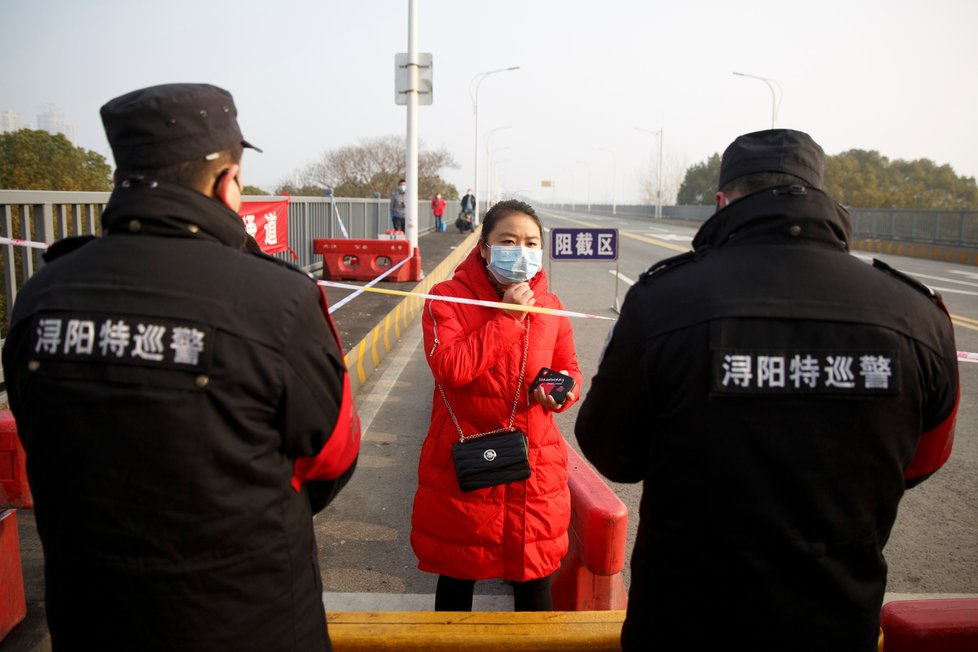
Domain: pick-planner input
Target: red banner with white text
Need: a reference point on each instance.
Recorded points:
(268, 223)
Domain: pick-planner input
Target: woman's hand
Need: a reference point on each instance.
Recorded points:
(521, 295)
(548, 401)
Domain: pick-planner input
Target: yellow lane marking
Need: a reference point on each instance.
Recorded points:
(969, 320)
(964, 322)
(361, 374)
(633, 236)
(373, 348)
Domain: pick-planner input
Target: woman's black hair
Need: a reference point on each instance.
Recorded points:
(505, 209)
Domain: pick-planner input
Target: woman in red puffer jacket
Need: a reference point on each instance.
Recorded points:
(482, 360)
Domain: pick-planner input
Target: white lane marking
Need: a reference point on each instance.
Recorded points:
(621, 276)
(869, 259)
(671, 236)
(378, 396)
(971, 275)
(953, 291)
(943, 278)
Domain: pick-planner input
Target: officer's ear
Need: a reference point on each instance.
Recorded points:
(724, 199)
(227, 187)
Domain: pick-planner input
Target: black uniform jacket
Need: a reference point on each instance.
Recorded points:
(165, 381)
(776, 395)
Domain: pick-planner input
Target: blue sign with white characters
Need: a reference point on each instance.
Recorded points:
(584, 244)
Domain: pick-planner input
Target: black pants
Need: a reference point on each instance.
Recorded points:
(456, 595)
(397, 223)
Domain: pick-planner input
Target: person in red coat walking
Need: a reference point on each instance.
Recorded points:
(482, 358)
(438, 205)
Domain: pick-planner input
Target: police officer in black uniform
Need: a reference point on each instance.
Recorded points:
(183, 402)
(776, 396)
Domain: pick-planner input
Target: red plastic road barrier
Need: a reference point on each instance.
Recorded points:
(14, 490)
(939, 625)
(13, 604)
(365, 260)
(590, 577)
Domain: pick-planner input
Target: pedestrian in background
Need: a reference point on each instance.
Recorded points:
(438, 205)
(397, 206)
(482, 362)
(466, 215)
(183, 402)
(776, 396)
(464, 222)
(468, 202)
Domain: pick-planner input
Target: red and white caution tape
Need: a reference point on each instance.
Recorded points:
(471, 302)
(965, 356)
(345, 300)
(23, 243)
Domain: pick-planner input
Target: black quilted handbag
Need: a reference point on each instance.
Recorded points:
(491, 458)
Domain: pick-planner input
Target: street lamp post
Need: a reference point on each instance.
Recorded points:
(488, 170)
(587, 166)
(495, 176)
(411, 144)
(774, 101)
(477, 80)
(588, 187)
(658, 170)
(614, 176)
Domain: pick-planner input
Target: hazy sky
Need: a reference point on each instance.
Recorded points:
(897, 76)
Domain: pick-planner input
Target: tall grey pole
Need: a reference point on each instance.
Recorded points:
(658, 194)
(774, 101)
(658, 171)
(477, 80)
(411, 162)
(614, 178)
(489, 159)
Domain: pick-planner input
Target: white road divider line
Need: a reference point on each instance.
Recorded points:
(624, 278)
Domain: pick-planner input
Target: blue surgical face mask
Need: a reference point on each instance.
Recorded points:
(514, 264)
(401, 188)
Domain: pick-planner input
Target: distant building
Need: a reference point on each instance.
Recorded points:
(53, 121)
(9, 121)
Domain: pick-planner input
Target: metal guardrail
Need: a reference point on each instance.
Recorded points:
(44, 216)
(48, 216)
(953, 228)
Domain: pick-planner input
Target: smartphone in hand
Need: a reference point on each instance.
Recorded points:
(554, 384)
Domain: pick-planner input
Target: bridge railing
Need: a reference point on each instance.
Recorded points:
(47, 216)
(955, 228)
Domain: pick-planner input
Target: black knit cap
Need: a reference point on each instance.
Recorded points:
(172, 123)
(774, 150)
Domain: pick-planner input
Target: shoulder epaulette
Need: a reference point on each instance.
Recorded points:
(281, 263)
(66, 246)
(665, 265)
(933, 294)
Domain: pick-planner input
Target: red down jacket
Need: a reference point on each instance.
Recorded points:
(516, 531)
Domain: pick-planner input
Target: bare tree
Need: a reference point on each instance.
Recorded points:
(674, 170)
(374, 166)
